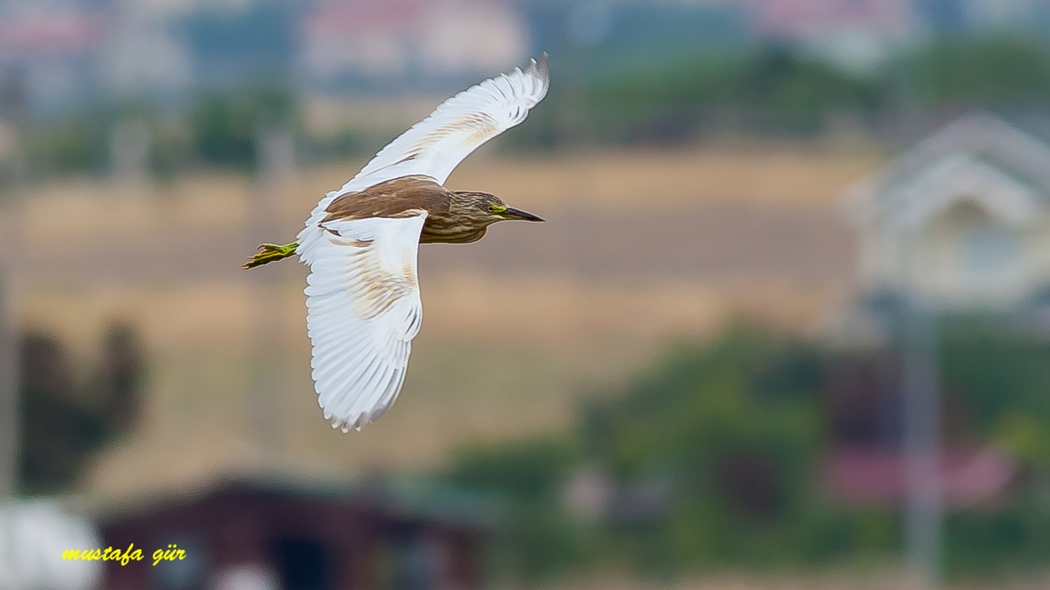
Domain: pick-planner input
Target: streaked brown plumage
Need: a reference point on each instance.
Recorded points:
(453, 217)
(361, 243)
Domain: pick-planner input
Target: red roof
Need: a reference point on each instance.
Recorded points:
(342, 17)
(968, 477)
(49, 33)
(793, 17)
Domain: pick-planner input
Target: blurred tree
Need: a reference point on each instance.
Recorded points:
(991, 73)
(225, 126)
(736, 425)
(799, 93)
(67, 417)
(777, 89)
(713, 456)
(224, 131)
(80, 142)
(770, 91)
(539, 539)
(77, 144)
(1000, 370)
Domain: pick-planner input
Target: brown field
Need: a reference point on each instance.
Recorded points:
(640, 250)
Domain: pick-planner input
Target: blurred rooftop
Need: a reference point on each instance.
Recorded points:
(165, 49)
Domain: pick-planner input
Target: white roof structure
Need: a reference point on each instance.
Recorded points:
(979, 157)
(963, 218)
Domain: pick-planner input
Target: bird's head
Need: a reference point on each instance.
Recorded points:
(486, 209)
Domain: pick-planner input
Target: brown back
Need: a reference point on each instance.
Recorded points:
(393, 198)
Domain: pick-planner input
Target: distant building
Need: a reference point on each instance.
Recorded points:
(241, 45)
(36, 534)
(55, 52)
(343, 42)
(961, 17)
(275, 533)
(974, 477)
(70, 54)
(865, 463)
(142, 56)
(855, 34)
(964, 217)
(962, 221)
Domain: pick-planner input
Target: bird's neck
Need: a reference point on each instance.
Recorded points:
(461, 203)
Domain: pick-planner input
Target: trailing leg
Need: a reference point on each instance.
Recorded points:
(271, 253)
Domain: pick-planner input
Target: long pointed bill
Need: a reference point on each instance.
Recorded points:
(512, 213)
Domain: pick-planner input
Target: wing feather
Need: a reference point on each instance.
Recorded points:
(363, 310)
(363, 304)
(436, 145)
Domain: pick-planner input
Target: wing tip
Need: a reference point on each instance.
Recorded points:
(362, 419)
(346, 425)
(539, 69)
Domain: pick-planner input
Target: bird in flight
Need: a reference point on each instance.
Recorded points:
(360, 242)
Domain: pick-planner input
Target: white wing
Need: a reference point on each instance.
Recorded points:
(363, 312)
(363, 292)
(436, 145)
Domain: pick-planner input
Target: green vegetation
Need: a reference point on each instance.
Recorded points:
(733, 427)
(778, 91)
(996, 378)
(539, 540)
(218, 129)
(714, 459)
(605, 97)
(225, 128)
(773, 90)
(68, 413)
(993, 73)
(78, 144)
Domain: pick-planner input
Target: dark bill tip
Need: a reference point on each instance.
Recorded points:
(512, 213)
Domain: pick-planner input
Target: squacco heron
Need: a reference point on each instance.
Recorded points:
(360, 242)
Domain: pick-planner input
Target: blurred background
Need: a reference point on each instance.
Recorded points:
(787, 324)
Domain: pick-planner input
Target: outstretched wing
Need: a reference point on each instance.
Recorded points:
(436, 145)
(363, 312)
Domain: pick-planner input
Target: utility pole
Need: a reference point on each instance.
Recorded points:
(14, 108)
(130, 147)
(920, 369)
(9, 430)
(921, 393)
(9, 385)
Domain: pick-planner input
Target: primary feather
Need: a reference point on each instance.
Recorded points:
(436, 145)
(363, 298)
(363, 310)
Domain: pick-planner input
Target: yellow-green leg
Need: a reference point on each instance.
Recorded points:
(270, 253)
